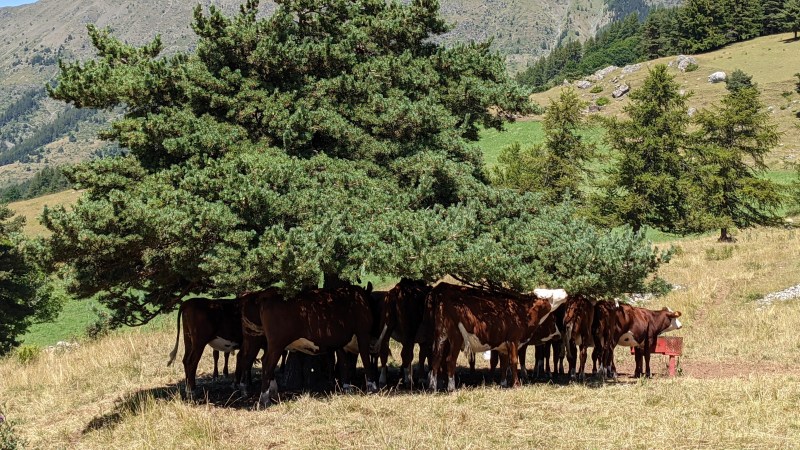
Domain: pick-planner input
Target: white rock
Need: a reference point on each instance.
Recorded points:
(717, 77)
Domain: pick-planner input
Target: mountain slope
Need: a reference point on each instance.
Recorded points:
(33, 37)
(771, 60)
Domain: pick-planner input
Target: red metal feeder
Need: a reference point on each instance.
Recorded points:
(671, 346)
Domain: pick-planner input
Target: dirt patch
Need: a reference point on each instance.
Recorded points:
(707, 369)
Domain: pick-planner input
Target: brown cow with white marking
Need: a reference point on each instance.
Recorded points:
(639, 328)
(253, 339)
(473, 320)
(209, 322)
(605, 314)
(402, 319)
(315, 322)
(545, 333)
(578, 318)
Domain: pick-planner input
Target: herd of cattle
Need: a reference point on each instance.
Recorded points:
(443, 320)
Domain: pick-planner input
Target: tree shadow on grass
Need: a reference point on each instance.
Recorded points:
(221, 393)
(790, 40)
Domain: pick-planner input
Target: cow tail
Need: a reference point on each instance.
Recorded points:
(174, 351)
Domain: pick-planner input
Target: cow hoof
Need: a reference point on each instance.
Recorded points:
(264, 401)
(372, 387)
(348, 389)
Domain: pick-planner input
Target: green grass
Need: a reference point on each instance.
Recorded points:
(70, 324)
(527, 133)
(493, 141)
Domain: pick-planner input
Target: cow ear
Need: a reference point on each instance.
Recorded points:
(369, 287)
(674, 315)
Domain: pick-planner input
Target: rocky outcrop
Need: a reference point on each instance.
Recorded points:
(620, 91)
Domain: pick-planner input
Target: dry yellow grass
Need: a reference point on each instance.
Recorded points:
(739, 388)
(32, 209)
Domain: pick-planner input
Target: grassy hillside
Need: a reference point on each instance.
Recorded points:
(738, 387)
(771, 60)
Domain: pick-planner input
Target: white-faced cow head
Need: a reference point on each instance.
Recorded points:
(556, 297)
(674, 323)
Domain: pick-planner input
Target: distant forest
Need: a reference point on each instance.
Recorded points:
(46, 181)
(695, 27)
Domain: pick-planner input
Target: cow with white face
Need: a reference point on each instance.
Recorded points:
(639, 328)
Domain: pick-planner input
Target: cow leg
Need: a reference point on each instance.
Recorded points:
(344, 366)
(572, 358)
(558, 356)
(502, 358)
(384, 357)
(191, 358)
(225, 368)
(425, 353)
(369, 368)
(638, 355)
(596, 355)
(435, 362)
(407, 360)
(522, 354)
(471, 361)
(646, 352)
(243, 375)
(582, 368)
(269, 387)
(513, 361)
(493, 360)
(452, 362)
(215, 355)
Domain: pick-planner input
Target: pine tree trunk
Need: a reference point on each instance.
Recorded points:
(724, 236)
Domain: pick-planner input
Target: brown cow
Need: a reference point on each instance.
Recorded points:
(578, 318)
(475, 321)
(402, 319)
(639, 328)
(554, 346)
(206, 322)
(315, 322)
(379, 349)
(545, 333)
(603, 336)
(253, 339)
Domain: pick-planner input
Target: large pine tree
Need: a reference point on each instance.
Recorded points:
(703, 25)
(732, 142)
(557, 167)
(792, 16)
(327, 141)
(24, 295)
(649, 184)
(746, 19)
(774, 16)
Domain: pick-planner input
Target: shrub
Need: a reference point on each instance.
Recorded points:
(100, 327)
(8, 437)
(27, 354)
(602, 101)
(719, 253)
(691, 67)
(596, 89)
